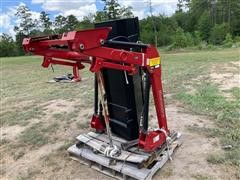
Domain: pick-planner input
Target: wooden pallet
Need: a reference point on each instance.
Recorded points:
(125, 166)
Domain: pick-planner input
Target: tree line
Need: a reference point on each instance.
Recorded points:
(194, 23)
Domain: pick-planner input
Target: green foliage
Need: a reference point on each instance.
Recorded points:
(190, 40)
(26, 22)
(228, 38)
(218, 33)
(147, 32)
(126, 12)
(72, 23)
(100, 16)
(181, 20)
(165, 28)
(19, 38)
(46, 23)
(113, 10)
(60, 24)
(86, 23)
(202, 45)
(228, 42)
(237, 39)
(7, 46)
(181, 39)
(204, 25)
(197, 38)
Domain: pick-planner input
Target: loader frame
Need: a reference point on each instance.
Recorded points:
(92, 47)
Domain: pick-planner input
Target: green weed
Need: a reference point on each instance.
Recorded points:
(3, 141)
(33, 136)
(201, 177)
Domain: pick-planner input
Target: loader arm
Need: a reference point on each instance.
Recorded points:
(89, 46)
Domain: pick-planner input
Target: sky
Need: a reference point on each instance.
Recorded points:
(79, 8)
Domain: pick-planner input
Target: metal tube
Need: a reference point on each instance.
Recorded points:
(125, 44)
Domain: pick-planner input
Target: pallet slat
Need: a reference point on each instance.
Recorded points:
(98, 145)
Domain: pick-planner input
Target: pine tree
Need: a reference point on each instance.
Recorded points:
(180, 6)
(113, 10)
(26, 22)
(60, 24)
(45, 22)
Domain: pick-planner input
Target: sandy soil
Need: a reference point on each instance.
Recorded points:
(52, 162)
(227, 76)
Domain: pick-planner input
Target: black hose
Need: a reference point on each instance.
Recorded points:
(95, 95)
(146, 102)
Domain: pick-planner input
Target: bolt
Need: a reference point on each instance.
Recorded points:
(101, 41)
(81, 46)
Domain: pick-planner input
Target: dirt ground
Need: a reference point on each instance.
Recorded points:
(227, 76)
(51, 161)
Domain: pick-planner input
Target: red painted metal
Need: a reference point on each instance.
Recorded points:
(151, 141)
(78, 47)
(76, 66)
(97, 123)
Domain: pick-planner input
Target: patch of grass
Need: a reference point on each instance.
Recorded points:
(21, 116)
(50, 129)
(66, 116)
(4, 141)
(82, 125)
(201, 177)
(216, 158)
(33, 136)
(236, 92)
(30, 174)
(208, 101)
(166, 172)
(208, 132)
(65, 146)
(38, 135)
(58, 116)
(71, 115)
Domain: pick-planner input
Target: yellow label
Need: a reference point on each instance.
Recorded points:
(154, 61)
